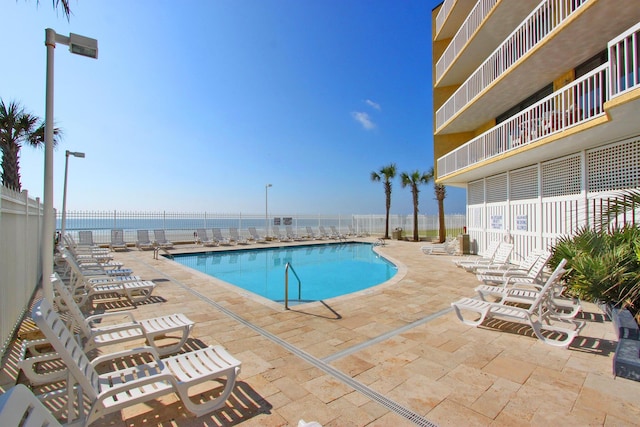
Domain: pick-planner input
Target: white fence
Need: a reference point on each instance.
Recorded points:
(180, 226)
(20, 236)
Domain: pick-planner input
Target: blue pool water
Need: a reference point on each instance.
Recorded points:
(325, 270)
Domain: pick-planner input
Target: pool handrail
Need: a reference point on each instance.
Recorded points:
(286, 284)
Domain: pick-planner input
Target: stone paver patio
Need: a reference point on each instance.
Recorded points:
(380, 356)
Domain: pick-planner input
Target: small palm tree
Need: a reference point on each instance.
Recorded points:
(16, 128)
(441, 193)
(387, 173)
(414, 179)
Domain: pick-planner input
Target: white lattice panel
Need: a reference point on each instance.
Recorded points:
(523, 184)
(475, 193)
(497, 188)
(614, 167)
(561, 177)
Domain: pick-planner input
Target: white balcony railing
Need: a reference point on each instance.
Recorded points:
(578, 102)
(542, 21)
(624, 61)
(443, 14)
(468, 28)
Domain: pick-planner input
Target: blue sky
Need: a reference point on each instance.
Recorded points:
(197, 105)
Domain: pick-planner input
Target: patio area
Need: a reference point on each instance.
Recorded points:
(394, 355)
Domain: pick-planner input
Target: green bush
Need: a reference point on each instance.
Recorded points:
(602, 265)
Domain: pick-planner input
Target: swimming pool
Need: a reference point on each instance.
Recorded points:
(325, 270)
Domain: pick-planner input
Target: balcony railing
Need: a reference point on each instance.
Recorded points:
(468, 28)
(443, 14)
(624, 61)
(542, 21)
(576, 103)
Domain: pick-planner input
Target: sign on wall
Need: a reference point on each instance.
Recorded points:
(522, 222)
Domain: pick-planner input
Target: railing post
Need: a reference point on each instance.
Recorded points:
(286, 287)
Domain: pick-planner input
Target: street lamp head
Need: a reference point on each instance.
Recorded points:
(84, 46)
(74, 154)
(268, 185)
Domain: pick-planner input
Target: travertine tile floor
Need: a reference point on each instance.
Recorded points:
(378, 357)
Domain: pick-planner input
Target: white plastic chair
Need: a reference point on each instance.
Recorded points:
(20, 408)
(112, 391)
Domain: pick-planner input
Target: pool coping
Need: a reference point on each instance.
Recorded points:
(400, 273)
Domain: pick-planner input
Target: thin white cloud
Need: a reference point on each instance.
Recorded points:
(372, 104)
(363, 119)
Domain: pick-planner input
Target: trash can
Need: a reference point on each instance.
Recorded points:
(464, 244)
(397, 234)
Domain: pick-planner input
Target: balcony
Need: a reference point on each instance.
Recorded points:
(450, 17)
(486, 26)
(581, 102)
(548, 44)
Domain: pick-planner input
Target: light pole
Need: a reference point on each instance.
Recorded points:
(266, 209)
(67, 153)
(79, 45)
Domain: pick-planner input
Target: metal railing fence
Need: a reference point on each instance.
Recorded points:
(180, 226)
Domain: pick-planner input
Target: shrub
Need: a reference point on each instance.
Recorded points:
(602, 265)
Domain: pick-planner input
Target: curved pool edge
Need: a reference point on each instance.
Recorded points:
(400, 274)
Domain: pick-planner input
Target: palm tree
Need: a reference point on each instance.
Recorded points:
(16, 128)
(388, 173)
(414, 180)
(441, 193)
(65, 6)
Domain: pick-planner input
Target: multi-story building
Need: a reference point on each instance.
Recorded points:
(536, 112)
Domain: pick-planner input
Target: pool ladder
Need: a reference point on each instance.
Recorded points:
(286, 284)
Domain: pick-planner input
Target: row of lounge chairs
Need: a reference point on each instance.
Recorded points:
(202, 236)
(124, 378)
(522, 293)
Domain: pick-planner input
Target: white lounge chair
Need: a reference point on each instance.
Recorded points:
(85, 239)
(85, 290)
(117, 240)
(531, 267)
(335, 233)
(20, 407)
(104, 269)
(235, 236)
(486, 255)
(90, 253)
(115, 390)
(143, 241)
(204, 239)
(161, 239)
(311, 234)
(217, 235)
(354, 233)
(98, 331)
(324, 234)
(449, 247)
(278, 235)
(500, 259)
(255, 236)
(291, 235)
(539, 315)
